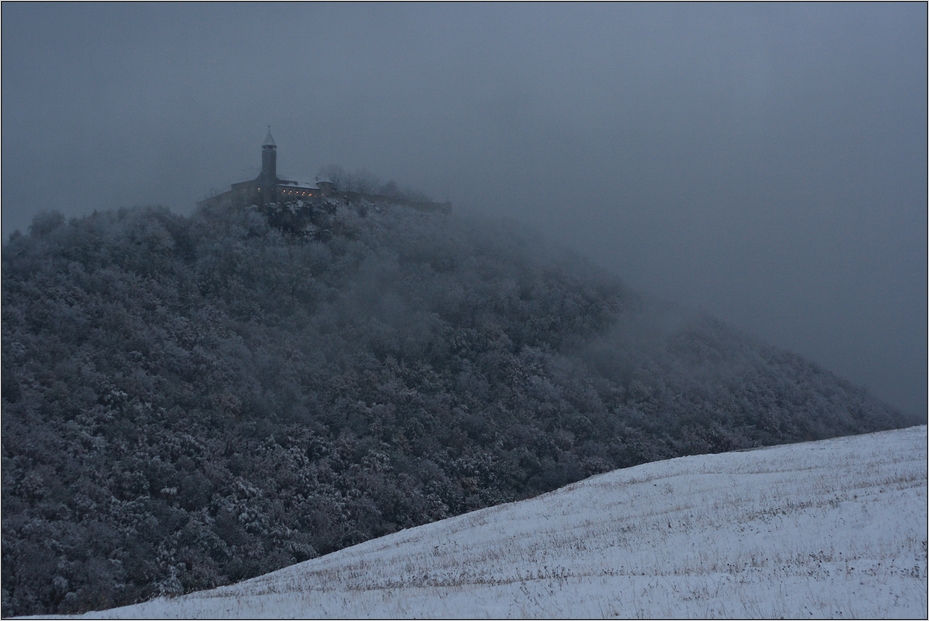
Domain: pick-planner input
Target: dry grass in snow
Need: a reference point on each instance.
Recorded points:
(836, 528)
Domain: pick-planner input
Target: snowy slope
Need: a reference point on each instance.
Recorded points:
(836, 528)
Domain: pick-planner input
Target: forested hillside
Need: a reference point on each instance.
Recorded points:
(190, 401)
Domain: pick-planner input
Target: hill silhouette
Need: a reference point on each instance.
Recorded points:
(191, 401)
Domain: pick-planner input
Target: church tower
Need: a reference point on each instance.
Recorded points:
(267, 181)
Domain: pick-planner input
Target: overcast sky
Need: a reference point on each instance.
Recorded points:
(765, 163)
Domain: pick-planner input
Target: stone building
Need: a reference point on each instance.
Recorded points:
(267, 187)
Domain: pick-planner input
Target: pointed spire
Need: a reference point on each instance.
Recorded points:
(269, 141)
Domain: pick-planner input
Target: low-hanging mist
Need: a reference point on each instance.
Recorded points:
(190, 401)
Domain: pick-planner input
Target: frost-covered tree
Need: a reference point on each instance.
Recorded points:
(190, 401)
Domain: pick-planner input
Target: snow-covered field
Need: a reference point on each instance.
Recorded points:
(824, 529)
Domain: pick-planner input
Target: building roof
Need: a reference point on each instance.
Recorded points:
(269, 141)
(311, 185)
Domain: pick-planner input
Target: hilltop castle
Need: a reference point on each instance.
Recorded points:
(267, 189)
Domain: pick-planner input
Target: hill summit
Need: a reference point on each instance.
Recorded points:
(191, 401)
